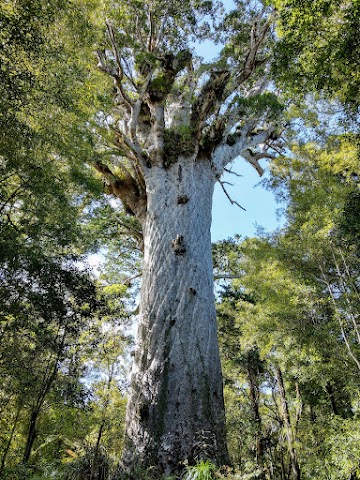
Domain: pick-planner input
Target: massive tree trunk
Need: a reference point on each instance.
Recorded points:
(176, 408)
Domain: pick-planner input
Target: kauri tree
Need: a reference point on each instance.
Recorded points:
(176, 124)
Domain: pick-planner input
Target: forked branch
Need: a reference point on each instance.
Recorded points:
(233, 202)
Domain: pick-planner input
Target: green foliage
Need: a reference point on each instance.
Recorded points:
(182, 24)
(49, 93)
(318, 49)
(295, 307)
(84, 468)
(320, 184)
(204, 470)
(265, 104)
(177, 142)
(64, 337)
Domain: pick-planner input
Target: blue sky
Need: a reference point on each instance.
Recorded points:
(259, 203)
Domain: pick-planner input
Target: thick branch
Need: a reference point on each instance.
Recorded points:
(221, 85)
(257, 36)
(208, 100)
(159, 89)
(254, 157)
(125, 188)
(158, 117)
(117, 55)
(242, 144)
(134, 151)
(135, 113)
(117, 75)
(150, 42)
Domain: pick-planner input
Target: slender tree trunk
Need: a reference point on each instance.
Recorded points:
(176, 407)
(94, 466)
(312, 414)
(31, 435)
(284, 472)
(10, 439)
(339, 316)
(48, 380)
(287, 423)
(330, 391)
(102, 425)
(254, 399)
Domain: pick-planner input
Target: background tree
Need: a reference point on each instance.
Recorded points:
(103, 347)
(47, 298)
(318, 49)
(321, 216)
(295, 301)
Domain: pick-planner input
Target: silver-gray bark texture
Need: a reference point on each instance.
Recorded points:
(176, 408)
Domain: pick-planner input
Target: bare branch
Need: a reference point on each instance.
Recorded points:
(257, 36)
(226, 276)
(119, 77)
(228, 170)
(128, 280)
(233, 202)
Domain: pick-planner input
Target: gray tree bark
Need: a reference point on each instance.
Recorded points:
(176, 407)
